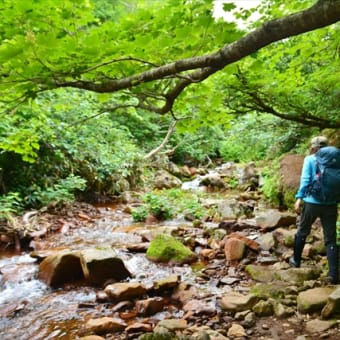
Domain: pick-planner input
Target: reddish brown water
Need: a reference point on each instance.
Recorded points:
(31, 310)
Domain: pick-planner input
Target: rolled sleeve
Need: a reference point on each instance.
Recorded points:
(307, 175)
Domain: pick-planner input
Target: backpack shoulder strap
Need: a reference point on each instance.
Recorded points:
(328, 156)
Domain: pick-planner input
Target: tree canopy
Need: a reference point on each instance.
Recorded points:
(151, 51)
(92, 89)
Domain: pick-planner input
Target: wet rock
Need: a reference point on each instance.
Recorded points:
(60, 268)
(138, 247)
(122, 305)
(100, 265)
(101, 296)
(200, 307)
(105, 325)
(125, 291)
(170, 282)
(184, 292)
(313, 300)
(227, 280)
(139, 327)
(172, 325)
(150, 306)
(93, 265)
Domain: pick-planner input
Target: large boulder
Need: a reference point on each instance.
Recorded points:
(165, 180)
(101, 265)
(289, 177)
(93, 266)
(61, 267)
(313, 300)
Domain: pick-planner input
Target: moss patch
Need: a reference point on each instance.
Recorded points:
(165, 248)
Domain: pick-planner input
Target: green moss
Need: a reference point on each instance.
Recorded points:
(165, 248)
(265, 291)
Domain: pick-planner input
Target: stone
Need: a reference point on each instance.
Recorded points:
(313, 300)
(264, 308)
(62, 267)
(236, 330)
(101, 265)
(165, 248)
(125, 290)
(236, 302)
(234, 249)
(105, 325)
(333, 304)
(150, 306)
(319, 326)
(172, 324)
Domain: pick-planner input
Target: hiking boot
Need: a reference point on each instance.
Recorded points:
(333, 280)
(299, 243)
(333, 260)
(293, 262)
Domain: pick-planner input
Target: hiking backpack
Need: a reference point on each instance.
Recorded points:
(326, 185)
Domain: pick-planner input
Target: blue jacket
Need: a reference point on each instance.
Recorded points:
(307, 176)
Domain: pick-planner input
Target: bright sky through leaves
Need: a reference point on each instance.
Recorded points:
(240, 4)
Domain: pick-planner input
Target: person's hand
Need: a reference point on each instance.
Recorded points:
(298, 205)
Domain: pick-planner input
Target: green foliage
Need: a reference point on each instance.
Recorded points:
(271, 187)
(71, 137)
(198, 146)
(62, 192)
(47, 135)
(158, 205)
(140, 213)
(165, 204)
(273, 137)
(10, 204)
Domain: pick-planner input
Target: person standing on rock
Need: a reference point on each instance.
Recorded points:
(309, 209)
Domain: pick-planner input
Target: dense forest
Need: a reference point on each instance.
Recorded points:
(95, 92)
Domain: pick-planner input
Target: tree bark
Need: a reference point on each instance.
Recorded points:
(322, 14)
(164, 142)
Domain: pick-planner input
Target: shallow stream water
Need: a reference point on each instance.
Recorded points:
(31, 310)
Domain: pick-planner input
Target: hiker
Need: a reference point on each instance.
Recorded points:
(309, 208)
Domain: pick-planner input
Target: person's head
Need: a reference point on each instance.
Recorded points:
(318, 142)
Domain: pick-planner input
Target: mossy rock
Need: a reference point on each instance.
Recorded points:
(165, 248)
(275, 290)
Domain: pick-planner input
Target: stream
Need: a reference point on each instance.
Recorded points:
(31, 310)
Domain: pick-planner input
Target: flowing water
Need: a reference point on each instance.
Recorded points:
(31, 310)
